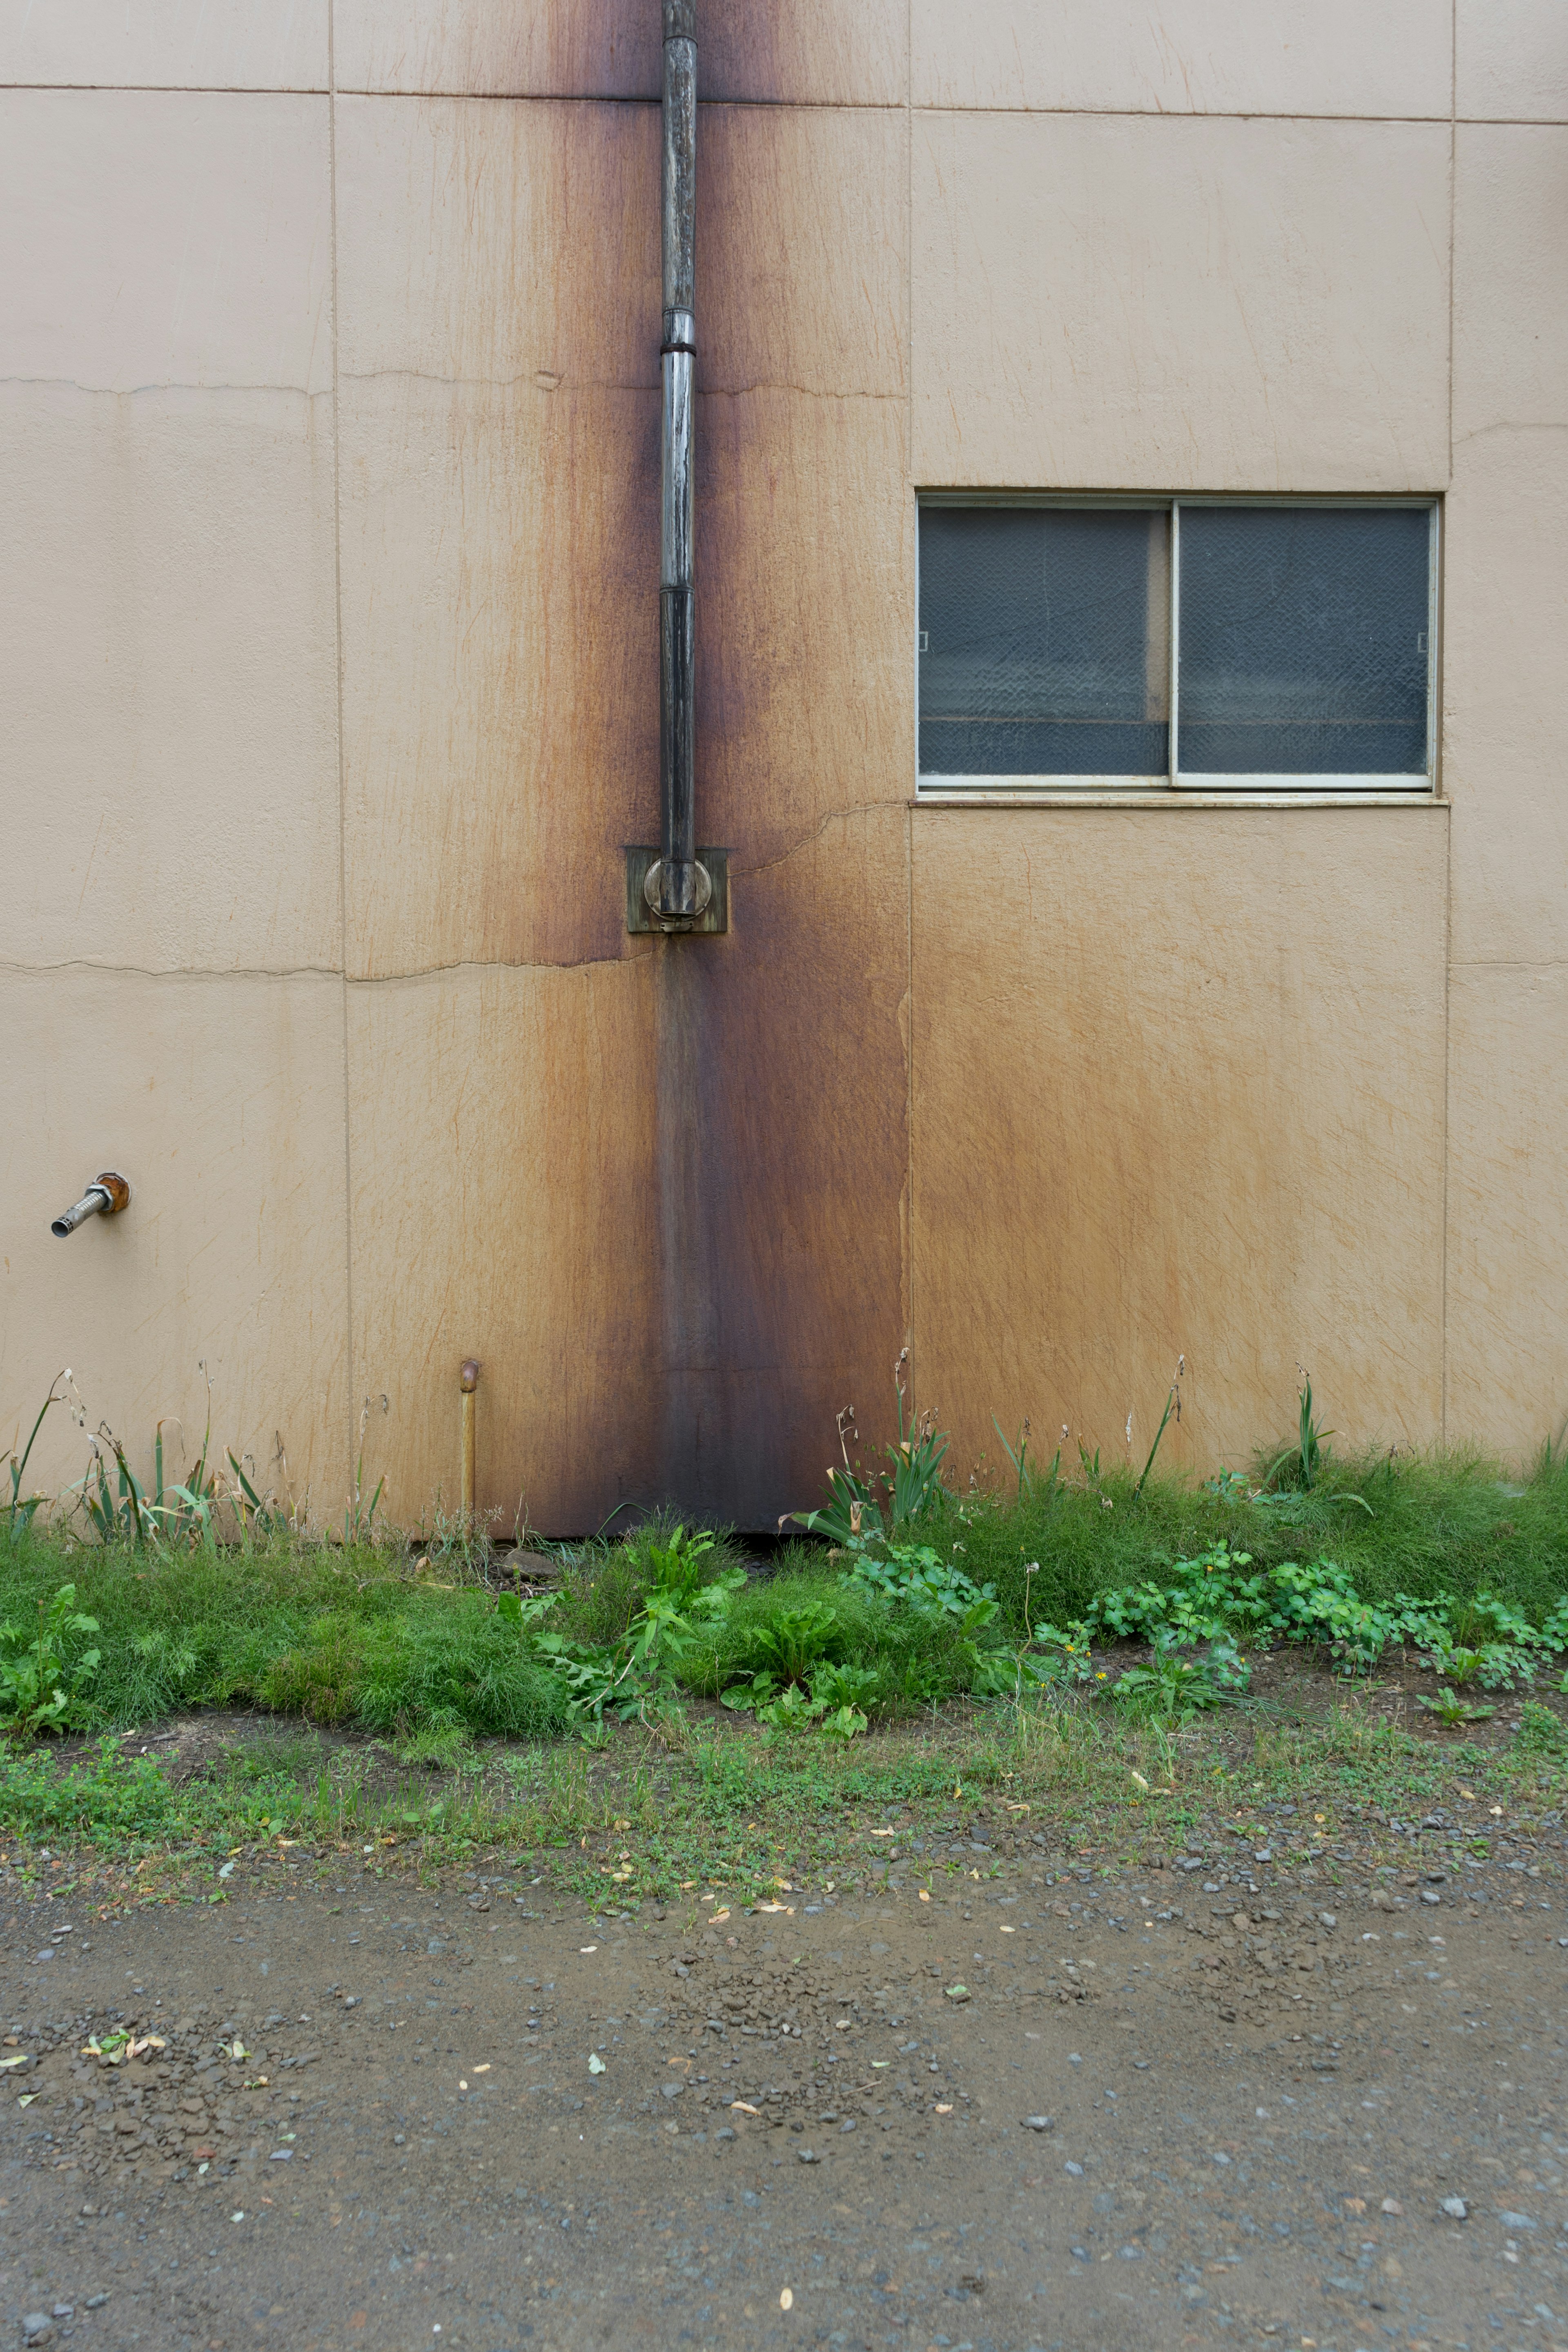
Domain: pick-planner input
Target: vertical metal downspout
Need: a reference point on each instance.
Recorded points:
(683, 888)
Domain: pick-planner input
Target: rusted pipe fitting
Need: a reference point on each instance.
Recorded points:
(467, 1382)
(104, 1197)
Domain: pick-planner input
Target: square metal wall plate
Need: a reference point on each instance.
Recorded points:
(715, 916)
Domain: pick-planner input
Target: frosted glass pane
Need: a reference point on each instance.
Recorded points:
(1304, 641)
(1044, 641)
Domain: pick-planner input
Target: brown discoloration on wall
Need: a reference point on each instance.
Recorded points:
(1180, 1078)
(500, 469)
(782, 1079)
(1508, 1338)
(782, 1152)
(501, 694)
(502, 1140)
(810, 52)
(1178, 1089)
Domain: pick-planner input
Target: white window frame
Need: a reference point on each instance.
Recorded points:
(1176, 783)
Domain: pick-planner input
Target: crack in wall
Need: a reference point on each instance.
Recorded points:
(316, 970)
(164, 384)
(530, 379)
(833, 816)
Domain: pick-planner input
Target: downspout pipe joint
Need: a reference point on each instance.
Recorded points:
(679, 887)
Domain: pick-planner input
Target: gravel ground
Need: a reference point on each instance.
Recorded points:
(1213, 2102)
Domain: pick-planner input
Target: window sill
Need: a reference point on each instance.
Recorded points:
(1104, 797)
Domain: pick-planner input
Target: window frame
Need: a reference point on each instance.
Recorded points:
(1175, 784)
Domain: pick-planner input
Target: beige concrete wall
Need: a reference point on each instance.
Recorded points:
(328, 395)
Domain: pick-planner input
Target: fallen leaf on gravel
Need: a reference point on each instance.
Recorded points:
(958, 1993)
(27, 2098)
(13, 2062)
(745, 2108)
(595, 2063)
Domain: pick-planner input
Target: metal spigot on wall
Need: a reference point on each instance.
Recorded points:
(104, 1197)
(678, 888)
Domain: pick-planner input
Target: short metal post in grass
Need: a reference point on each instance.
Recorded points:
(468, 1383)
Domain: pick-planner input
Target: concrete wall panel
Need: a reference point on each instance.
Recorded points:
(782, 1157)
(500, 517)
(222, 1100)
(805, 51)
(499, 532)
(499, 1163)
(1507, 609)
(1506, 622)
(1200, 57)
(1512, 60)
(1178, 1089)
(1511, 330)
(1508, 1293)
(188, 241)
(1164, 304)
(169, 766)
(166, 44)
(500, 432)
(659, 1198)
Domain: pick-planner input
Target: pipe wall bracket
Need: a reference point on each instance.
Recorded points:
(642, 914)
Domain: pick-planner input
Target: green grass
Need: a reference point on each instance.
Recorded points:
(349, 1636)
(338, 1636)
(734, 1815)
(1434, 1523)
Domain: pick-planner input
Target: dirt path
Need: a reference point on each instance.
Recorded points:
(1176, 2107)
